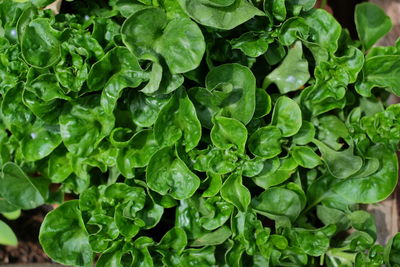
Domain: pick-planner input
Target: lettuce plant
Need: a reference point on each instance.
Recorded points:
(199, 132)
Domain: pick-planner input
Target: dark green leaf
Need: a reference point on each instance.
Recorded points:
(168, 174)
(372, 24)
(233, 191)
(20, 190)
(66, 225)
(287, 116)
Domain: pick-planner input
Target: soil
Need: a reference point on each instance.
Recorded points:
(26, 227)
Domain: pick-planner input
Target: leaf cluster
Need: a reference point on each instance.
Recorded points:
(199, 132)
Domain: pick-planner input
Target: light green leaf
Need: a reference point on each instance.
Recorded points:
(7, 236)
(275, 172)
(251, 44)
(117, 70)
(305, 135)
(293, 29)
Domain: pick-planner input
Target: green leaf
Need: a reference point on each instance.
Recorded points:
(139, 35)
(305, 157)
(275, 172)
(6, 206)
(15, 115)
(151, 112)
(333, 216)
(117, 70)
(180, 41)
(228, 133)
(217, 237)
(168, 174)
(178, 119)
(65, 224)
(251, 44)
(324, 29)
(84, 124)
(279, 9)
(293, 29)
(142, 146)
(46, 88)
(379, 71)
(182, 45)
(13, 215)
(266, 142)
(7, 236)
(375, 187)
(341, 164)
(331, 129)
(292, 74)
(314, 242)
(215, 185)
(59, 166)
(233, 191)
(40, 45)
(287, 116)
(263, 103)
(234, 86)
(40, 141)
(199, 257)
(363, 221)
(252, 167)
(214, 212)
(392, 249)
(296, 6)
(175, 239)
(217, 17)
(218, 3)
(305, 135)
(173, 9)
(372, 23)
(144, 109)
(20, 190)
(277, 202)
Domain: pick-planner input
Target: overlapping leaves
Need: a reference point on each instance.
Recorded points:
(199, 133)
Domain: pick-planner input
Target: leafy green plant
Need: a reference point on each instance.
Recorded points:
(199, 133)
(7, 236)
